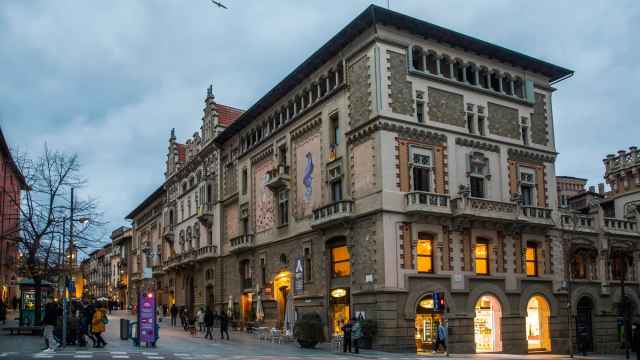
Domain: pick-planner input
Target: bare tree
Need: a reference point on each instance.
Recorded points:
(45, 215)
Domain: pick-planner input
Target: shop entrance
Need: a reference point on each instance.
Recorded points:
(245, 305)
(584, 329)
(340, 311)
(427, 321)
(487, 325)
(281, 287)
(538, 335)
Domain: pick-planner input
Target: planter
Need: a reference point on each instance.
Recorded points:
(365, 342)
(307, 344)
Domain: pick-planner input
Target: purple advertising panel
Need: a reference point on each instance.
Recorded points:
(147, 317)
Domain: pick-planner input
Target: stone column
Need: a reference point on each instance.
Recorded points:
(438, 60)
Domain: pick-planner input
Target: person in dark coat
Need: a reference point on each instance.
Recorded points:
(174, 315)
(636, 340)
(87, 317)
(346, 336)
(224, 325)
(3, 312)
(208, 323)
(49, 322)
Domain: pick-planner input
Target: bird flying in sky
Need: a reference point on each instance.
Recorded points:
(218, 4)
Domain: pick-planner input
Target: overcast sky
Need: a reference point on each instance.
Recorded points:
(109, 79)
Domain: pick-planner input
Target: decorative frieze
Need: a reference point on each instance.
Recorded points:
(477, 144)
(525, 155)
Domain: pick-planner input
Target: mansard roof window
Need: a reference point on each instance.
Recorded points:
(417, 58)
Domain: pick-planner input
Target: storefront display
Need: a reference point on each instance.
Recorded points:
(427, 321)
(538, 324)
(487, 326)
(340, 312)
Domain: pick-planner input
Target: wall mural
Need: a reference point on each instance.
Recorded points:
(308, 192)
(265, 211)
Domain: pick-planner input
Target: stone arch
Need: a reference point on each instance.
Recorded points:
(589, 292)
(415, 296)
(480, 290)
(538, 290)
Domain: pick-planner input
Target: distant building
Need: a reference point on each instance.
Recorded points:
(121, 239)
(11, 184)
(569, 186)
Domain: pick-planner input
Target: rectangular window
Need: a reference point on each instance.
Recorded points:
(527, 195)
(282, 154)
(263, 272)
(420, 111)
(244, 181)
(307, 264)
(481, 125)
(470, 125)
(477, 186)
(283, 207)
(336, 190)
(421, 179)
(340, 261)
(335, 130)
(424, 252)
(525, 135)
(532, 259)
(482, 258)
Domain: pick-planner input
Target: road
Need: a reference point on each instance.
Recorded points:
(175, 344)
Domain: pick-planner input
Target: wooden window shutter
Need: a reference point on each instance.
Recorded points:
(439, 168)
(403, 154)
(540, 188)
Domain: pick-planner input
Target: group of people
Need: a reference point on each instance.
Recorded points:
(86, 319)
(351, 334)
(203, 321)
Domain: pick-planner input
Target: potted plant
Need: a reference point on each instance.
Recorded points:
(369, 330)
(308, 330)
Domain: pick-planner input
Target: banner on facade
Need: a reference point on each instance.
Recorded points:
(298, 284)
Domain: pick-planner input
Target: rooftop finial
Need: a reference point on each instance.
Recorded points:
(210, 91)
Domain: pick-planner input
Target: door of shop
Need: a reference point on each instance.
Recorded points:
(584, 329)
(427, 321)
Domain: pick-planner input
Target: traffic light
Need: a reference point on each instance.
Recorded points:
(150, 295)
(438, 302)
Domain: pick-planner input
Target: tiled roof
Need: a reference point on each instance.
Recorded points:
(227, 114)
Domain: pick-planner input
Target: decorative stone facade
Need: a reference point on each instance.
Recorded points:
(539, 121)
(359, 91)
(400, 90)
(446, 107)
(503, 121)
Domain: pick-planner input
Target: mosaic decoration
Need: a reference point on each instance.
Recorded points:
(308, 175)
(265, 211)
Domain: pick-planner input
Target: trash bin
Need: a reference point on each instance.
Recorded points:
(124, 329)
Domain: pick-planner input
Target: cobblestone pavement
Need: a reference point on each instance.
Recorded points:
(175, 344)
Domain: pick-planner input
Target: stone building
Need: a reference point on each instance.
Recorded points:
(404, 173)
(11, 184)
(567, 187)
(121, 242)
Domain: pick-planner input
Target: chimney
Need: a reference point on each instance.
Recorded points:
(601, 188)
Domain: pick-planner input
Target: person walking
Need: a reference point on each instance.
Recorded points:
(346, 336)
(356, 334)
(3, 312)
(50, 320)
(98, 325)
(200, 319)
(87, 319)
(208, 323)
(183, 318)
(174, 315)
(224, 325)
(441, 338)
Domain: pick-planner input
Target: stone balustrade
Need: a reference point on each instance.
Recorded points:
(425, 202)
(620, 225)
(207, 251)
(337, 211)
(484, 208)
(537, 215)
(241, 243)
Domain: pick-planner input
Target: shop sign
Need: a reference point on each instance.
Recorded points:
(298, 280)
(338, 293)
(147, 317)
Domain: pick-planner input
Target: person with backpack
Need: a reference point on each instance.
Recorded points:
(441, 338)
(98, 325)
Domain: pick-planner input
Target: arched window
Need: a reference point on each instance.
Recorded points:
(189, 238)
(483, 77)
(432, 63)
(518, 87)
(506, 84)
(470, 72)
(417, 58)
(458, 70)
(495, 81)
(445, 66)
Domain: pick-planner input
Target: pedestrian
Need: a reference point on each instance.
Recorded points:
(174, 315)
(441, 338)
(86, 320)
(183, 317)
(3, 312)
(224, 325)
(200, 318)
(356, 334)
(636, 340)
(50, 320)
(98, 325)
(208, 323)
(346, 336)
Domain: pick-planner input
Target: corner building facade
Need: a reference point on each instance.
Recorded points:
(400, 161)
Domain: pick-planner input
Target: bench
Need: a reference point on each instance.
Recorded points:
(25, 329)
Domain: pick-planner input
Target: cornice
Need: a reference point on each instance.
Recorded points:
(477, 144)
(518, 154)
(403, 129)
(308, 126)
(262, 154)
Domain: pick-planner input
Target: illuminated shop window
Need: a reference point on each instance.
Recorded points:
(482, 258)
(424, 251)
(340, 264)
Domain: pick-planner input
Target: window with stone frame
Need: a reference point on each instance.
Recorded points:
(307, 264)
(531, 259)
(478, 172)
(420, 107)
(528, 196)
(340, 261)
(583, 264)
(246, 274)
(421, 169)
(417, 58)
(283, 207)
(481, 252)
(424, 253)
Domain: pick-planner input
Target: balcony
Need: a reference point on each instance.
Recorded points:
(205, 214)
(241, 243)
(332, 213)
(621, 226)
(578, 222)
(424, 202)
(537, 215)
(169, 233)
(483, 208)
(278, 178)
(207, 251)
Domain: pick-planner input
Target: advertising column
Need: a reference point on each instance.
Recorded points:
(147, 318)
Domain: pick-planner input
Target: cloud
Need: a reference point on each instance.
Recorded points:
(108, 80)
